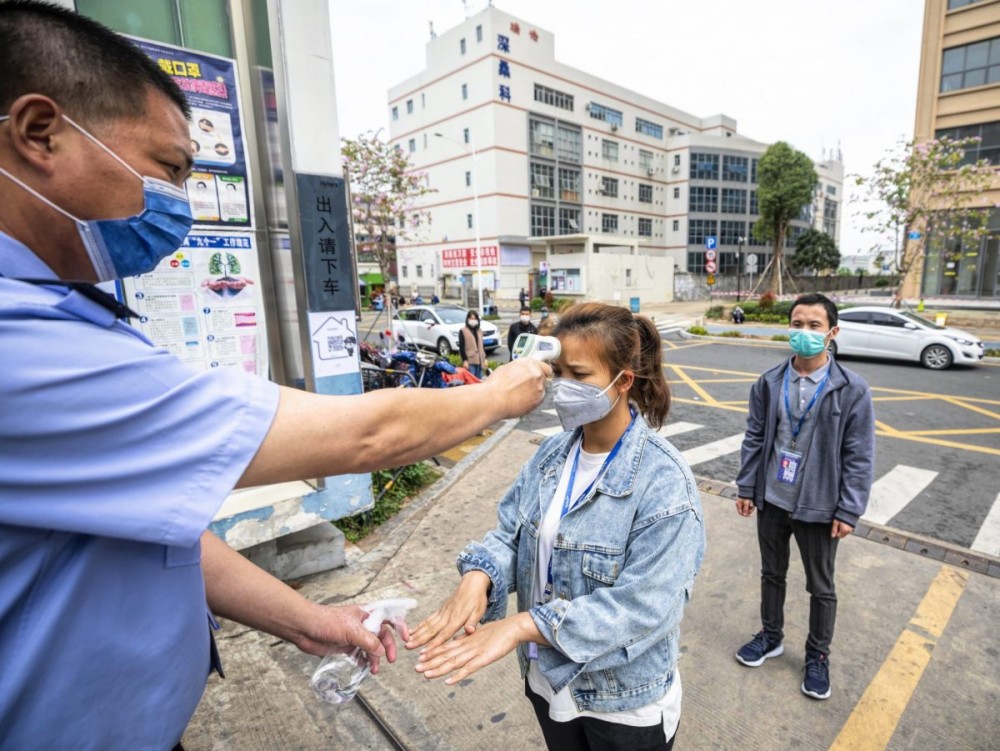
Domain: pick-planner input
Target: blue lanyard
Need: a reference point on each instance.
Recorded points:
(788, 408)
(568, 503)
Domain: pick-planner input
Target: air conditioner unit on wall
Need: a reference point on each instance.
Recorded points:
(613, 127)
(675, 170)
(650, 171)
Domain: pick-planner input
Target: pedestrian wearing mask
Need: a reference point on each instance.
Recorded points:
(523, 326)
(601, 536)
(470, 345)
(115, 456)
(807, 468)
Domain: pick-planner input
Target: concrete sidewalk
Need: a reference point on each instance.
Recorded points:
(913, 667)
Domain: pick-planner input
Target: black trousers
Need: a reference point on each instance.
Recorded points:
(590, 734)
(819, 552)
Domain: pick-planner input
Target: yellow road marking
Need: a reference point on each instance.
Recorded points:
(956, 431)
(903, 398)
(971, 399)
(876, 715)
(980, 410)
(709, 399)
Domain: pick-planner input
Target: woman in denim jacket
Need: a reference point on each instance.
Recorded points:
(601, 536)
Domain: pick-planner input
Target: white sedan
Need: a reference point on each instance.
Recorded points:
(436, 327)
(902, 335)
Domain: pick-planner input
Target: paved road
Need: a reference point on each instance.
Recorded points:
(937, 444)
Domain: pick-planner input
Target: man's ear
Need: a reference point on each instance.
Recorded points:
(35, 127)
(834, 331)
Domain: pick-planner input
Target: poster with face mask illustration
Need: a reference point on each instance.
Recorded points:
(218, 188)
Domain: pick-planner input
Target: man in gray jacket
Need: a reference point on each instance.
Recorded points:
(807, 463)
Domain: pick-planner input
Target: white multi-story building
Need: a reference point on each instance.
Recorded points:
(566, 167)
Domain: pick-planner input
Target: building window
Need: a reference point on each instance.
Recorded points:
(734, 168)
(646, 161)
(609, 223)
(409, 106)
(569, 185)
(752, 238)
(423, 100)
(677, 160)
(413, 145)
(831, 190)
(479, 33)
(542, 179)
(696, 261)
(677, 225)
(395, 113)
(645, 227)
(699, 229)
(971, 65)
(569, 221)
(569, 143)
(556, 98)
(405, 273)
(704, 166)
(734, 201)
(952, 4)
(754, 209)
(465, 91)
(608, 115)
(730, 232)
(420, 271)
(543, 220)
(468, 179)
(645, 193)
(466, 136)
(677, 192)
(461, 46)
(543, 139)
(753, 170)
(425, 140)
(609, 187)
(829, 208)
(647, 128)
(703, 199)
(628, 273)
(609, 150)
(468, 220)
(987, 147)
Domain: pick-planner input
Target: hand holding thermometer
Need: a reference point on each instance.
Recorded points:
(544, 348)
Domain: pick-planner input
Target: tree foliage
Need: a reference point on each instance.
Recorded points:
(932, 191)
(385, 197)
(815, 251)
(786, 180)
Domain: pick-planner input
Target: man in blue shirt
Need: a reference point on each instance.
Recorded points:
(114, 456)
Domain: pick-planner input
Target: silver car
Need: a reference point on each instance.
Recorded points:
(436, 327)
(903, 335)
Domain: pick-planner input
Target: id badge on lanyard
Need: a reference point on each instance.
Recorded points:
(789, 458)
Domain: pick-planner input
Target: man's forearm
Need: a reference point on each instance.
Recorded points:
(240, 591)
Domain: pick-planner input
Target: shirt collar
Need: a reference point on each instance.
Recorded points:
(816, 376)
(18, 260)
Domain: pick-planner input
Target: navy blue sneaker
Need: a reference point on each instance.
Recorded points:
(816, 683)
(754, 652)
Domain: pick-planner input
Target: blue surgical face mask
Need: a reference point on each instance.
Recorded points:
(579, 403)
(134, 245)
(807, 343)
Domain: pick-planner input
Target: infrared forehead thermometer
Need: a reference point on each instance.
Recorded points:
(544, 348)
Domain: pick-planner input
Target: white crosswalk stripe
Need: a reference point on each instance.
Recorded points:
(894, 490)
(676, 428)
(988, 539)
(548, 431)
(713, 450)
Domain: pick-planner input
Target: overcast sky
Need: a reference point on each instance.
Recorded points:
(813, 74)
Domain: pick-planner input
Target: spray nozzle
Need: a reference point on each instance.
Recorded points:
(392, 610)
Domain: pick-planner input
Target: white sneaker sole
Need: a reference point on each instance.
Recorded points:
(776, 652)
(813, 695)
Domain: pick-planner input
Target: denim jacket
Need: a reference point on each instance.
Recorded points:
(623, 566)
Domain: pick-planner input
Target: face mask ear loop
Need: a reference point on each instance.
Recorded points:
(109, 152)
(39, 196)
(608, 387)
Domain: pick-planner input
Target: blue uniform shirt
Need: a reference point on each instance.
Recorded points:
(114, 457)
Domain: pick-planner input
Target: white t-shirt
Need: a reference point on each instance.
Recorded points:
(561, 705)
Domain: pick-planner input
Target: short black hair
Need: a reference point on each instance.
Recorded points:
(815, 298)
(525, 308)
(94, 74)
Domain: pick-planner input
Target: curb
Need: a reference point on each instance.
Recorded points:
(946, 552)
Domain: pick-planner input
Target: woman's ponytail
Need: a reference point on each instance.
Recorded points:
(650, 392)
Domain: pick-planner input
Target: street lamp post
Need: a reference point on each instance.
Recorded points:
(739, 266)
(475, 208)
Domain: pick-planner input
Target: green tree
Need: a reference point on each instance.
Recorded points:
(385, 197)
(926, 194)
(786, 180)
(815, 251)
